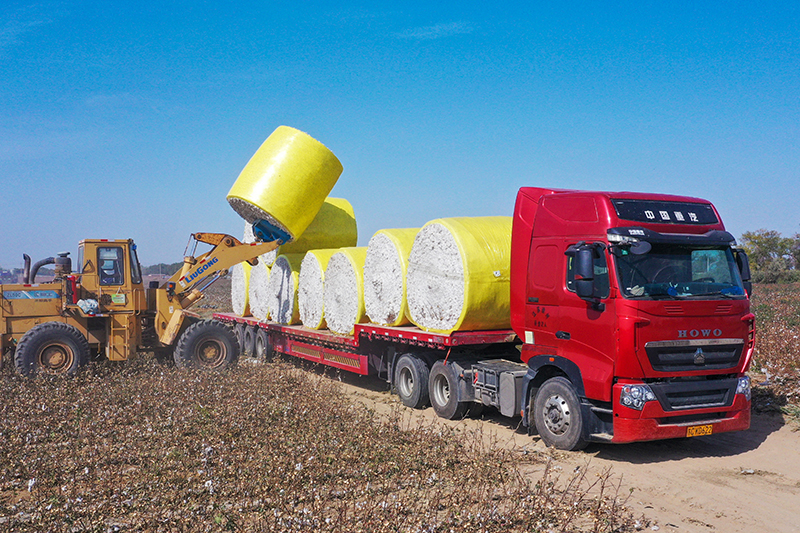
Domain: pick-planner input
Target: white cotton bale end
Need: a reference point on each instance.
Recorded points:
(259, 291)
(240, 280)
(333, 227)
(344, 290)
(459, 273)
(248, 237)
(286, 181)
(385, 276)
(282, 291)
(310, 287)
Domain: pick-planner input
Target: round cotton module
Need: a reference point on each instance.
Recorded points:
(248, 237)
(240, 279)
(286, 181)
(385, 270)
(282, 290)
(310, 287)
(333, 227)
(458, 274)
(259, 291)
(344, 290)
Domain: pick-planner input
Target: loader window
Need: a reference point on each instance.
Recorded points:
(136, 269)
(112, 265)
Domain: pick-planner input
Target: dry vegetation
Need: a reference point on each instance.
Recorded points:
(777, 357)
(265, 447)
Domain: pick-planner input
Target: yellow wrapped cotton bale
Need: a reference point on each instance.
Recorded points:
(385, 276)
(310, 287)
(333, 227)
(286, 181)
(259, 291)
(458, 274)
(240, 280)
(343, 290)
(282, 289)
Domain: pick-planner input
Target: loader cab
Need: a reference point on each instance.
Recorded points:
(111, 272)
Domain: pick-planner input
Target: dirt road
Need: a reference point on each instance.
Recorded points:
(745, 481)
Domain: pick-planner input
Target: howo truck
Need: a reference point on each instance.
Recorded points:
(630, 320)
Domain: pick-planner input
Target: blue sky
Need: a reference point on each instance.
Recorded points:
(135, 120)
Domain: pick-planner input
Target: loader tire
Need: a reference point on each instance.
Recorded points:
(208, 344)
(51, 348)
(411, 381)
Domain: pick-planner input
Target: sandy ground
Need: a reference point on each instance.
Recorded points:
(745, 481)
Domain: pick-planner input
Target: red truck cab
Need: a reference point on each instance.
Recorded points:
(634, 314)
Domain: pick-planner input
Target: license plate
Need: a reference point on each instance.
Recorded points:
(697, 431)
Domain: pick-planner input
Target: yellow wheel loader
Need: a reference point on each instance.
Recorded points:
(103, 310)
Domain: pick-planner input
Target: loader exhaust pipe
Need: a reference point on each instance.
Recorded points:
(38, 265)
(26, 270)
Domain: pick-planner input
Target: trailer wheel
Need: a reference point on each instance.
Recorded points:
(208, 344)
(443, 392)
(249, 341)
(51, 348)
(261, 347)
(557, 415)
(239, 328)
(411, 381)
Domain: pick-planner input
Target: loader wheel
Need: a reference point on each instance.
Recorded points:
(556, 411)
(443, 392)
(411, 381)
(52, 348)
(208, 344)
(261, 347)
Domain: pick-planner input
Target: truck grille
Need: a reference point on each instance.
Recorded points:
(687, 355)
(676, 396)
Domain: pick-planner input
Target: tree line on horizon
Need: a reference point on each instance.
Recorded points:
(773, 257)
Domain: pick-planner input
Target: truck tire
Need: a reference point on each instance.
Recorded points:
(239, 330)
(249, 341)
(262, 350)
(52, 348)
(411, 381)
(556, 412)
(443, 392)
(208, 344)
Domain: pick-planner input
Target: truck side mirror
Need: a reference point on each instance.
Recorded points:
(584, 272)
(744, 269)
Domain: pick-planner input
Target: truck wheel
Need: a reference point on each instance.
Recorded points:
(249, 341)
(261, 347)
(443, 392)
(411, 381)
(239, 330)
(557, 415)
(52, 348)
(208, 344)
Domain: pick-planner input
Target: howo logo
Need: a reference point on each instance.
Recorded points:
(697, 333)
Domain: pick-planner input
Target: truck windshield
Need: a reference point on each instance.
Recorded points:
(678, 272)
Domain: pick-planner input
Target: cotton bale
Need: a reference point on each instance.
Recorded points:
(286, 181)
(248, 237)
(310, 287)
(240, 280)
(333, 227)
(282, 290)
(385, 271)
(259, 291)
(459, 273)
(343, 290)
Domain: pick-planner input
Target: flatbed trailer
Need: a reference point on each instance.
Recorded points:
(475, 363)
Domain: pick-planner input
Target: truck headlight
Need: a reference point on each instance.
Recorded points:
(635, 396)
(744, 387)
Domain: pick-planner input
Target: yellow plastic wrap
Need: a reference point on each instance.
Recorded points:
(283, 283)
(286, 181)
(385, 272)
(310, 287)
(344, 290)
(459, 274)
(333, 227)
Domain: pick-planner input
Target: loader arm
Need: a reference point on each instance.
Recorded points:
(187, 285)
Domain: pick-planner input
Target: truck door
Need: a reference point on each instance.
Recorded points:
(541, 302)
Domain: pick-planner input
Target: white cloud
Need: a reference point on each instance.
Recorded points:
(20, 23)
(436, 32)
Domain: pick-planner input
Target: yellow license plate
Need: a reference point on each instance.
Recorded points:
(697, 431)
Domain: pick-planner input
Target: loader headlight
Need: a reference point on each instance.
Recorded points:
(744, 387)
(635, 396)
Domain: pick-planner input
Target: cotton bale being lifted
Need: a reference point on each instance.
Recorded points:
(282, 289)
(259, 291)
(344, 290)
(286, 181)
(310, 287)
(458, 274)
(267, 258)
(385, 270)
